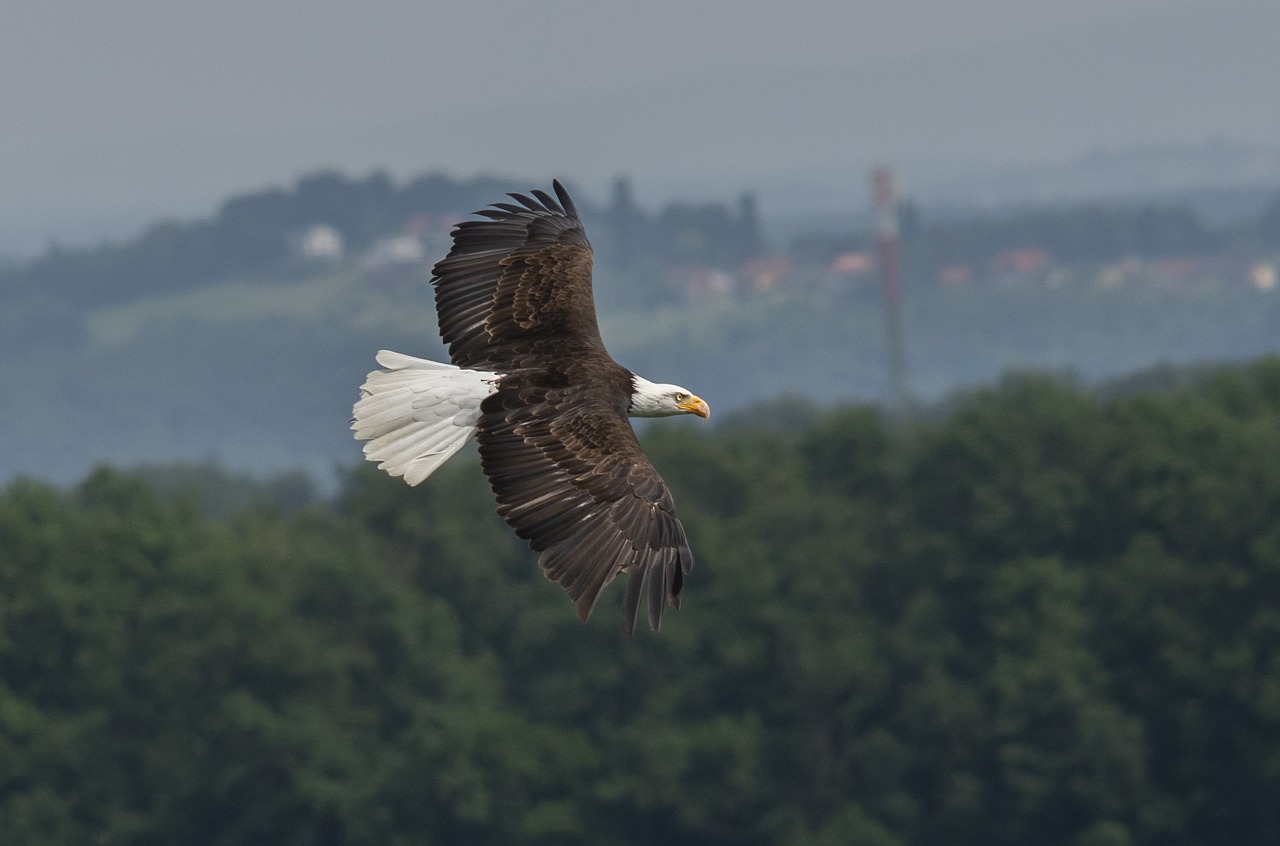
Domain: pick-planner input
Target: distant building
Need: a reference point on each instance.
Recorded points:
(395, 265)
(322, 243)
(765, 272)
(699, 282)
(1178, 273)
(1118, 274)
(1263, 275)
(1023, 261)
(852, 264)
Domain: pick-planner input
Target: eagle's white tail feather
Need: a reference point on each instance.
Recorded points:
(415, 414)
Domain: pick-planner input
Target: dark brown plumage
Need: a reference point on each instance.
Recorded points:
(514, 298)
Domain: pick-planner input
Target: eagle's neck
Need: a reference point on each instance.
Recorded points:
(649, 399)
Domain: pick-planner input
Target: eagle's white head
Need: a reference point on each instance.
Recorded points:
(652, 400)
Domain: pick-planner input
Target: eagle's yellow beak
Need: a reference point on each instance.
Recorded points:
(695, 405)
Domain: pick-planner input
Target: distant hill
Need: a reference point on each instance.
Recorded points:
(250, 233)
(221, 339)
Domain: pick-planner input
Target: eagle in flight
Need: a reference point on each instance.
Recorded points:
(531, 379)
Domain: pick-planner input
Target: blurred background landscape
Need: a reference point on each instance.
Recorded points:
(1026, 589)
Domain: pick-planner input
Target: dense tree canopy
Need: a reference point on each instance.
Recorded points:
(1042, 615)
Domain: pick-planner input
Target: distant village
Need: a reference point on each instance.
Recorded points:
(645, 258)
(701, 253)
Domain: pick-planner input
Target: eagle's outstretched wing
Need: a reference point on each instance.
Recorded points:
(519, 277)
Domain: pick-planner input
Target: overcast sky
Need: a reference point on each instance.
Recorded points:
(116, 112)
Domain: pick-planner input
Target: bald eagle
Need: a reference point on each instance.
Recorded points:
(531, 379)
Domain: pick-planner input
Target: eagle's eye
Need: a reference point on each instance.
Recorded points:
(681, 396)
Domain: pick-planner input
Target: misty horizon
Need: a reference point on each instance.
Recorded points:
(110, 129)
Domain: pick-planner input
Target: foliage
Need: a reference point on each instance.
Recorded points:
(249, 235)
(1085, 233)
(1041, 615)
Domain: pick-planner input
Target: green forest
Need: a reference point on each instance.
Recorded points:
(1038, 614)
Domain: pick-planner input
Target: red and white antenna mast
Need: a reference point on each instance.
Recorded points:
(884, 197)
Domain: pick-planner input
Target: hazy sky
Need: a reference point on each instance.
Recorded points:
(117, 112)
